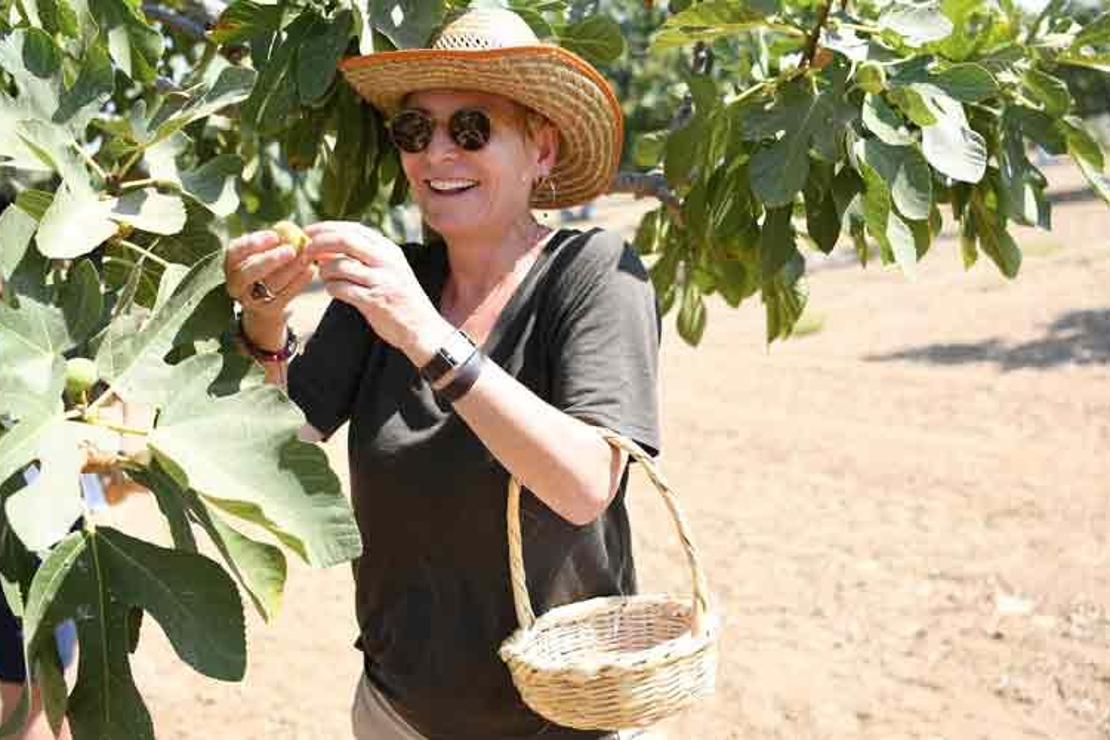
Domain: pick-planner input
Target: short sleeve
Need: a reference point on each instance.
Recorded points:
(324, 379)
(604, 349)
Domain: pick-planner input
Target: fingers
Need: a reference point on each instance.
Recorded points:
(244, 246)
(347, 292)
(258, 266)
(281, 280)
(299, 282)
(368, 245)
(352, 271)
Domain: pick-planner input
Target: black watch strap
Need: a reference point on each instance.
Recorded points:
(456, 350)
(464, 379)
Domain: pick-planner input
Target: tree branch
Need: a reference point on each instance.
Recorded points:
(815, 34)
(177, 21)
(654, 184)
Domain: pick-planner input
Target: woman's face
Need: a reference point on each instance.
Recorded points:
(496, 180)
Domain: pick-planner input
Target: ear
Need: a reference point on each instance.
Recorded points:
(547, 149)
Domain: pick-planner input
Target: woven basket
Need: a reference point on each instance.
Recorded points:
(616, 662)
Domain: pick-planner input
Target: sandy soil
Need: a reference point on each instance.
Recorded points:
(903, 515)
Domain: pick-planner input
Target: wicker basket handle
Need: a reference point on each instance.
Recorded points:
(523, 602)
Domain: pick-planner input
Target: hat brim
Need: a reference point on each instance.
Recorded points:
(549, 79)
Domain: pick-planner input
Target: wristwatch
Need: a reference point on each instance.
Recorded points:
(455, 351)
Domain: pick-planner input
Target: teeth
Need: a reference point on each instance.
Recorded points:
(450, 185)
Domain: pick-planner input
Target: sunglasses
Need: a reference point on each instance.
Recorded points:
(411, 130)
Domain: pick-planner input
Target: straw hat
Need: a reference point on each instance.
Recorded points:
(493, 50)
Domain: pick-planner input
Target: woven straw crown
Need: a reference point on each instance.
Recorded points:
(494, 51)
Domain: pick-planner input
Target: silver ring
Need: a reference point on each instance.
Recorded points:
(261, 292)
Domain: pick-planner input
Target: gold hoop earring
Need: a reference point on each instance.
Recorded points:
(551, 189)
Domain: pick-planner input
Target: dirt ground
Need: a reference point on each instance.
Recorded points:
(903, 515)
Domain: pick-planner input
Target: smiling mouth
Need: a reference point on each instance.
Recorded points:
(450, 187)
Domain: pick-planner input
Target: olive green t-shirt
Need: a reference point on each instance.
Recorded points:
(432, 587)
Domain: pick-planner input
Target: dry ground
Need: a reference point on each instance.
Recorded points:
(903, 516)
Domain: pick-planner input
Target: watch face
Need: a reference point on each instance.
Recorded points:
(458, 348)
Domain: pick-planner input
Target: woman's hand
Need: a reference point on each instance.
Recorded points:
(260, 256)
(362, 267)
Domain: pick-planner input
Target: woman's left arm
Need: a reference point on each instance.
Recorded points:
(561, 459)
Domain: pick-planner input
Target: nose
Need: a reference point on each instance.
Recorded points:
(442, 146)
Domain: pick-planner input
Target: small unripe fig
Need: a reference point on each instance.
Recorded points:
(81, 375)
(290, 233)
(871, 77)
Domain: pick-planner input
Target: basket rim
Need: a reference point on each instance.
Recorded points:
(669, 651)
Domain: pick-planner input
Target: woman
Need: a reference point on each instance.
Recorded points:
(500, 349)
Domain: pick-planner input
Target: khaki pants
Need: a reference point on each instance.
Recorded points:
(372, 718)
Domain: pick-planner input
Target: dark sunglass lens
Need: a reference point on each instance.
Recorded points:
(411, 130)
(470, 129)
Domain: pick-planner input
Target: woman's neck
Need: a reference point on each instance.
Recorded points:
(481, 263)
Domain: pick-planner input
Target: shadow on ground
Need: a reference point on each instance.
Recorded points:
(1079, 337)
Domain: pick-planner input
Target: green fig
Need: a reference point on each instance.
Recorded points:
(81, 375)
(290, 233)
(871, 77)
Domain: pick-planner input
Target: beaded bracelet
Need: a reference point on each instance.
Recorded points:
(292, 344)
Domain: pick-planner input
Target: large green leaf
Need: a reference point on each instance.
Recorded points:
(885, 225)
(93, 87)
(233, 85)
(318, 56)
(1095, 32)
(37, 621)
(105, 702)
(967, 82)
(82, 300)
(33, 60)
(134, 46)
(151, 211)
(804, 120)
(133, 362)
(916, 23)
(950, 145)
(994, 239)
(16, 229)
(784, 298)
(242, 449)
(1051, 92)
(273, 99)
(350, 173)
(75, 223)
(884, 122)
(191, 597)
(906, 173)
(57, 148)
(776, 241)
(259, 567)
(691, 314)
(1023, 186)
(243, 20)
(1101, 62)
(707, 21)
(32, 340)
(597, 39)
(42, 513)
(407, 24)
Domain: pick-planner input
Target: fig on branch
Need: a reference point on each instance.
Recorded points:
(290, 233)
(81, 375)
(871, 77)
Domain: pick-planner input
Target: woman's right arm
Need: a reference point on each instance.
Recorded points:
(260, 256)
